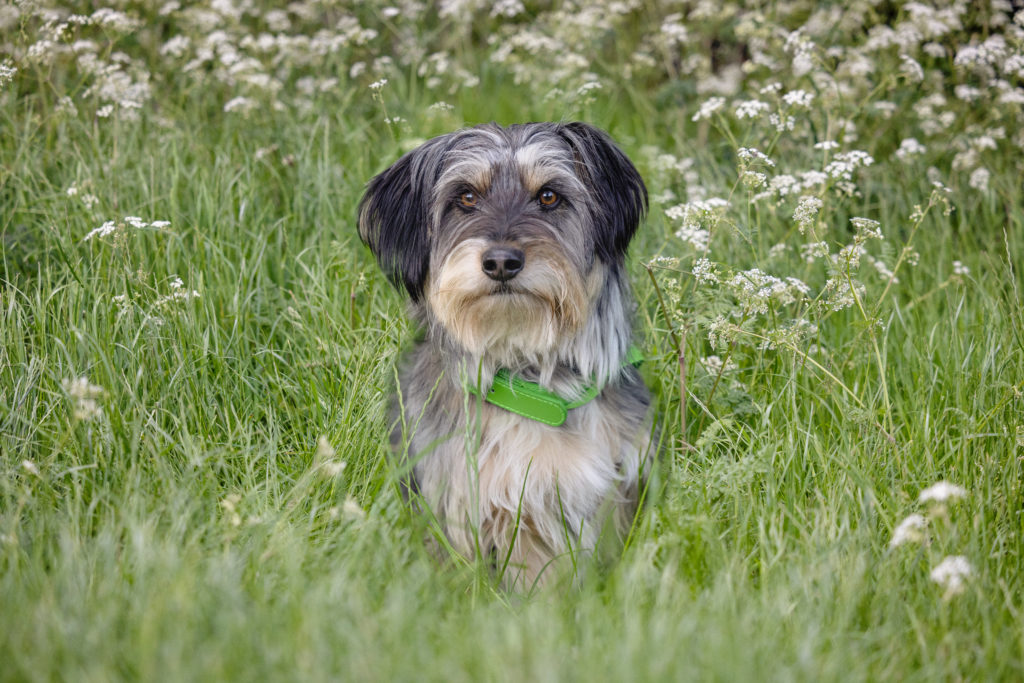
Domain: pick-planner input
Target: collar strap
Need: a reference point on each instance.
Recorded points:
(533, 401)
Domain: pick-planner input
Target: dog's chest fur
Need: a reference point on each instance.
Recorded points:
(515, 488)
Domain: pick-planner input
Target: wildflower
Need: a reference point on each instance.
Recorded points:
(748, 155)
(979, 179)
(243, 105)
(841, 294)
(709, 107)
(178, 293)
(30, 467)
(715, 365)
(866, 228)
(377, 85)
(755, 289)
(952, 574)
(753, 179)
(844, 164)
(704, 272)
(814, 250)
(909, 147)
(664, 262)
(800, 99)
(806, 211)
(910, 530)
(7, 73)
(960, 269)
(826, 145)
(782, 123)
(84, 397)
(942, 492)
(911, 69)
(750, 109)
(883, 270)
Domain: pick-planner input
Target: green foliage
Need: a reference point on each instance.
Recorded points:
(196, 353)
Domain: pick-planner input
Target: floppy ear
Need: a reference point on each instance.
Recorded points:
(394, 216)
(616, 184)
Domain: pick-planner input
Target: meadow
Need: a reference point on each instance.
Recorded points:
(197, 353)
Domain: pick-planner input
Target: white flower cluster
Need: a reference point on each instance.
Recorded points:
(953, 572)
(84, 397)
(697, 218)
(806, 211)
(111, 227)
(755, 290)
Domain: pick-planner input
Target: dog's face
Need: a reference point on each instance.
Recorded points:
(505, 236)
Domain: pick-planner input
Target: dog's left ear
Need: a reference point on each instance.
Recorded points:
(616, 184)
(394, 216)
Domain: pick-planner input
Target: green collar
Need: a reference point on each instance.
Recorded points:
(531, 400)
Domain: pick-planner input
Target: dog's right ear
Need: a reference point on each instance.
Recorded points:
(394, 216)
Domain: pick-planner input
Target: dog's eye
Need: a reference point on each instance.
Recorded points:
(548, 198)
(468, 199)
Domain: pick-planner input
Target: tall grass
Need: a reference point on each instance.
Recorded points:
(214, 500)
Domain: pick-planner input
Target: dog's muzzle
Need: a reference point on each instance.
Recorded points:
(502, 263)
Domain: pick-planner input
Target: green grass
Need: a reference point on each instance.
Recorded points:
(189, 532)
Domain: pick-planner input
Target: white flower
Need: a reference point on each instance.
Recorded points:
(867, 228)
(979, 179)
(909, 147)
(750, 109)
(84, 396)
(805, 212)
(911, 69)
(960, 269)
(377, 85)
(243, 105)
(30, 467)
(941, 492)
(749, 154)
(708, 107)
(952, 574)
(910, 530)
(704, 272)
(7, 73)
(102, 231)
(798, 98)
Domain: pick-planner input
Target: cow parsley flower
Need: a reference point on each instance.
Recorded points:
(801, 99)
(942, 492)
(704, 272)
(909, 147)
(84, 397)
(979, 179)
(750, 109)
(952, 574)
(866, 228)
(910, 530)
(749, 155)
(806, 211)
(708, 107)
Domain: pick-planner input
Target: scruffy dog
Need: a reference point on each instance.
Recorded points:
(524, 423)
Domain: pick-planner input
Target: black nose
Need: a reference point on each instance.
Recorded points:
(503, 263)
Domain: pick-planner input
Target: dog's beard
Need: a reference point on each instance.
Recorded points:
(523, 318)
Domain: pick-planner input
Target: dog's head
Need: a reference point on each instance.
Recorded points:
(506, 236)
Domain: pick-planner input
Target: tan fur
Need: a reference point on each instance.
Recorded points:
(552, 479)
(551, 304)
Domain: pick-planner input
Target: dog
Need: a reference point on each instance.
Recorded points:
(523, 425)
